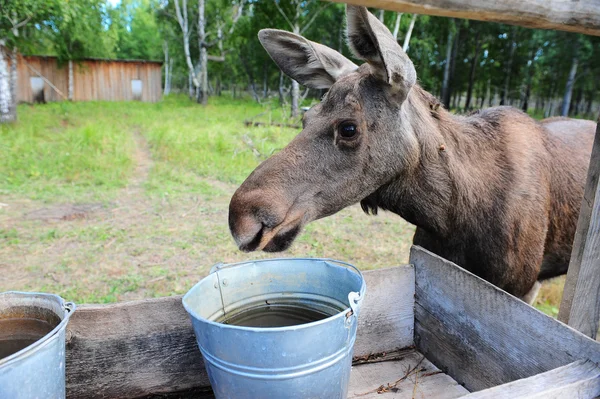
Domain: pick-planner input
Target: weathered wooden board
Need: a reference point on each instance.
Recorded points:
(387, 315)
(132, 349)
(426, 381)
(578, 380)
(581, 16)
(580, 306)
(144, 348)
(482, 336)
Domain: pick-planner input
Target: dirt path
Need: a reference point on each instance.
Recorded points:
(143, 164)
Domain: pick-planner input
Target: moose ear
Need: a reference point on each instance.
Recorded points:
(371, 40)
(311, 64)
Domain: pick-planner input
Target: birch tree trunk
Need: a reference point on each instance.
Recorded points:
(526, 98)
(182, 19)
(409, 33)
(13, 82)
(446, 82)
(295, 85)
(508, 70)
(265, 81)
(170, 74)
(569, 88)
(71, 82)
(203, 53)
(7, 113)
(281, 91)
(167, 89)
(397, 25)
(472, 72)
(381, 15)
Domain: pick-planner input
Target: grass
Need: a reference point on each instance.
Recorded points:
(64, 150)
(163, 174)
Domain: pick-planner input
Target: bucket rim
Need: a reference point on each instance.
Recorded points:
(68, 309)
(350, 311)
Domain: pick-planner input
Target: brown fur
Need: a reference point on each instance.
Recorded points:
(496, 191)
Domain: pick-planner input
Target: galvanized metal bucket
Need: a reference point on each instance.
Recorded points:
(38, 370)
(311, 360)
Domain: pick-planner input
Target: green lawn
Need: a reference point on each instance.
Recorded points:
(80, 151)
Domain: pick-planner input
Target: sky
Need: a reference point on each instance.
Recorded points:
(114, 2)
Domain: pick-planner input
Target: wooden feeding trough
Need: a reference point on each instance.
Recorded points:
(426, 330)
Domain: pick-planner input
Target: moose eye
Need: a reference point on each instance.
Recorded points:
(347, 130)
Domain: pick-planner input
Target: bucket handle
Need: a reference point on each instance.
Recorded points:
(354, 298)
(70, 307)
(221, 265)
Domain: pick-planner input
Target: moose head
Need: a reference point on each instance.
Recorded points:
(353, 142)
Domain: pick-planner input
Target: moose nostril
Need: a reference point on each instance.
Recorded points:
(254, 243)
(251, 213)
(246, 229)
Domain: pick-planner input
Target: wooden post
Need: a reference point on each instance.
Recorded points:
(580, 306)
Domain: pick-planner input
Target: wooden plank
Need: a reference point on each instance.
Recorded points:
(132, 349)
(145, 348)
(419, 378)
(580, 16)
(580, 379)
(482, 336)
(580, 306)
(386, 320)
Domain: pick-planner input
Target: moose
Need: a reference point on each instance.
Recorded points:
(496, 191)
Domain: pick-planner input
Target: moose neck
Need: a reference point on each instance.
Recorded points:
(427, 194)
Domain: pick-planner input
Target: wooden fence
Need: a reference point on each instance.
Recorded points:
(44, 79)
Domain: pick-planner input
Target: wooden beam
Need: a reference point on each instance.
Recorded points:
(481, 335)
(132, 349)
(582, 16)
(580, 379)
(580, 306)
(44, 79)
(145, 348)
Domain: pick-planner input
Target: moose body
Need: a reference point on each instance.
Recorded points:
(495, 192)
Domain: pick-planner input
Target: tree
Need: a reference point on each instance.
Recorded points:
(17, 21)
(199, 73)
(473, 66)
(78, 32)
(448, 61)
(409, 33)
(300, 15)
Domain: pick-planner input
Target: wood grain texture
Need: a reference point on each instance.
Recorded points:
(386, 321)
(147, 348)
(429, 382)
(482, 336)
(578, 380)
(132, 349)
(581, 16)
(106, 80)
(580, 305)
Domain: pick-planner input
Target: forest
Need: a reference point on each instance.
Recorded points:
(211, 46)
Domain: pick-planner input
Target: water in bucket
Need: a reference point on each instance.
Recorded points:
(19, 333)
(273, 314)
